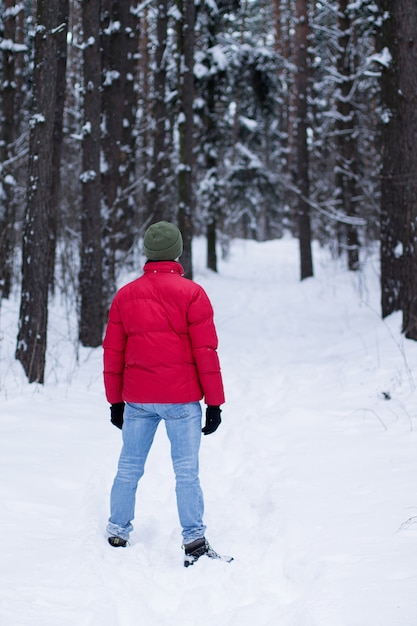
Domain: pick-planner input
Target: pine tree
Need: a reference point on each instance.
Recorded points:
(185, 22)
(12, 51)
(91, 277)
(37, 236)
(399, 166)
(119, 39)
(159, 190)
(302, 172)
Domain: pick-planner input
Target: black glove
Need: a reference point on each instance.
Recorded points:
(213, 419)
(116, 414)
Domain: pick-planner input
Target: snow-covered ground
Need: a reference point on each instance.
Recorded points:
(310, 482)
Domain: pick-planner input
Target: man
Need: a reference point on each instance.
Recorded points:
(160, 360)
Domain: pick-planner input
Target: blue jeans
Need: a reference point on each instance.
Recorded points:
(183, 426)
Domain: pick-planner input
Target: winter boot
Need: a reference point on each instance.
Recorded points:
(117, 542)
(201, 547)
(194, 550)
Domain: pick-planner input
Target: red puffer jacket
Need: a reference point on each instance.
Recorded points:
(160, 343)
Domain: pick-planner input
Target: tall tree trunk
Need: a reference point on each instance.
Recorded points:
(405, 16)
(126, 206)
(211, 143)
(61, 59)
(302, 167)
(158, 188)
(185, 65)
(399, 162)
(346, 128)
(7, 137)
(91, 279)
(20, 61)
(277, 13)
(115, 35)
(145, 103)
(33, 317)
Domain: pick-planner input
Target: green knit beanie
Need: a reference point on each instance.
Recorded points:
(162, 242)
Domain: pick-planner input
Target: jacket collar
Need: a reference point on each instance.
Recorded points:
(167, 267)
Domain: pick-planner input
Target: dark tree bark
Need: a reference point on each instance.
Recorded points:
(211, 245)
(60, 90)
(114, 75)
(211, 142)
(145, 100)
(91, 280)
(346, 128)
(185, 63)
(126, 206)
(20, 61)
(8, 132)
(302, 166)
(158, 186)
(399, 163)
(118, 68)
(392, 208)
(405, 16)
(33, 317)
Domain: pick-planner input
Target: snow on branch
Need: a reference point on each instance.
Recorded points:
(136, 11)
(383, 58)
(37, 118)
(9, 44)
(113, 27)
(88, 176)
(333, 215)
(254, 161)
(110, 77)
(13, 11)
(59, 29)
(211, 5)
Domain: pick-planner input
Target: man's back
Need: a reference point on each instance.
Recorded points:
(161, 343)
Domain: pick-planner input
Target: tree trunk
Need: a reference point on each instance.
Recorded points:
(346, 128)
(158, 195)
(116, 65)
(405, 15)
(392, 208)
(20, 61)
(277, 13)
(399, 163)
(145, 103)
(211, 245)
(302, 171)
(91, 279)
(7, 138)
(185, 65)
(211, 146)
(61, 60)
(33, 317)
(126, 206)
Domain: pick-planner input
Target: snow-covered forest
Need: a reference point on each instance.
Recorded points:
(234, 118)
(281, 137)
(310, 482)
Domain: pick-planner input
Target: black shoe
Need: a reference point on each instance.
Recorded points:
(197, 548)
(201, 547)
(117, 542)
(194, 550)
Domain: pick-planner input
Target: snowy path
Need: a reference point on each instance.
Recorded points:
(309, 482)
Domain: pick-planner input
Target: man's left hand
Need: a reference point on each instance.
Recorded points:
(213, 419)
